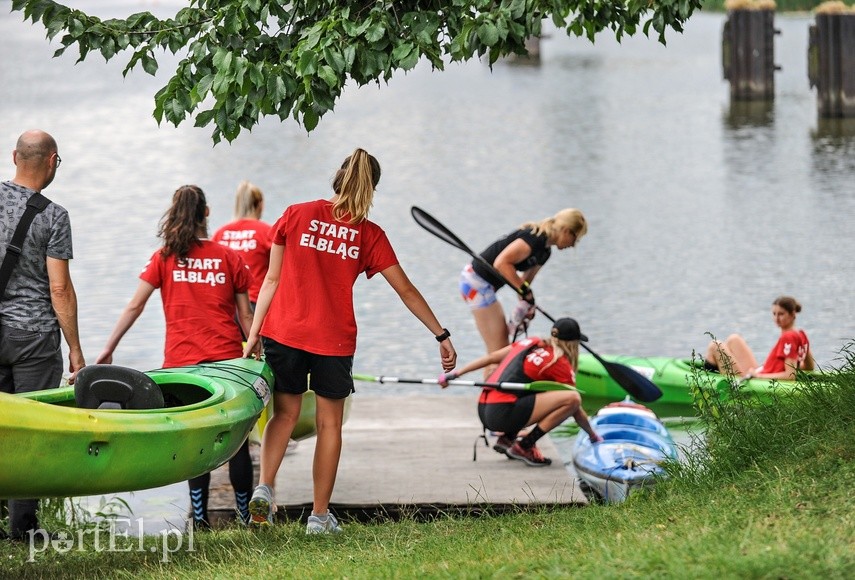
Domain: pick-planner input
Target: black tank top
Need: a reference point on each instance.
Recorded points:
(540, 253)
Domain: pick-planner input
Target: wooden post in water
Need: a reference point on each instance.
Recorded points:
(748, 49)
(831, 59)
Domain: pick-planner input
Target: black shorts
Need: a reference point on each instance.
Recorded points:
(507, 417)
(331, 376)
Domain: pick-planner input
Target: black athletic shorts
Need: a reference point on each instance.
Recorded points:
(507, 417)
(330, 375)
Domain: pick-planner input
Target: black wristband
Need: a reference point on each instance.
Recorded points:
(445, 334)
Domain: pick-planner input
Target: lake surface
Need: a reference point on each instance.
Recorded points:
(701, 211)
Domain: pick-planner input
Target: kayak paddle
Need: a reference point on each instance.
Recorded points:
(533, 386)
(633, 382)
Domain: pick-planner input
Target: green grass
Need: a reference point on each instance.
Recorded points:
(766, 494)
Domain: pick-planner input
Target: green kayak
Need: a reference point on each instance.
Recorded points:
(53, 448)
(675, 377)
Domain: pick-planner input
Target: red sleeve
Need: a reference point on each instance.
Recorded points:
(241, 276)
(277, 232)
(380, 254)
(153, 271)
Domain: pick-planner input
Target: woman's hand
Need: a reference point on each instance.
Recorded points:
(252, 348)
(596, 438)
(520, 317)
(445, 377)
(447, 354)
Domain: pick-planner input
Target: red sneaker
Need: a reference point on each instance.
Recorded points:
(531, 456)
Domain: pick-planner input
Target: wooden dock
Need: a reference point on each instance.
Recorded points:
(413, 455)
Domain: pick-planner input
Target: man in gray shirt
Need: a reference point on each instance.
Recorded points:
(39, 301)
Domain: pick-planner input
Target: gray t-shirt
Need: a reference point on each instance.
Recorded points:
(26, 304)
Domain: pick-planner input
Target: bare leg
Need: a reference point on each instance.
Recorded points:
(277, 433)
(733, 356)
(743, 359)
(493, 328)
(329, 417)
(551, 408)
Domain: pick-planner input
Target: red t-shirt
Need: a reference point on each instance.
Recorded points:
(199, 303)
(793, 344)
(253, 238)
(312, 309)
(529, 360)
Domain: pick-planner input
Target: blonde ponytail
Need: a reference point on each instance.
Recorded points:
(354, 183)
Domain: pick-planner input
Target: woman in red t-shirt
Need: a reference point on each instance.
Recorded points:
(532, 359)
(305, 315)
(248, 234)
(790, 353)
(201, 284)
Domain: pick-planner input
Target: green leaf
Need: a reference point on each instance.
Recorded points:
(308, 63)
(276, 89)
(488, 34)
(328, 75)
(204, 118)
(349, 56)
(335, 59)
(375, 32)
(403, 50)
(310, 119)
(149, 64)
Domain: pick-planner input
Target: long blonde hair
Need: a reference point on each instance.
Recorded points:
(570, 219)
(354, 183)
(568, 348)
(248, 200)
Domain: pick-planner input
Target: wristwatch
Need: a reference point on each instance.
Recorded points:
(445, 334)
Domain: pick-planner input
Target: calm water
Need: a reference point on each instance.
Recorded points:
(700, 212)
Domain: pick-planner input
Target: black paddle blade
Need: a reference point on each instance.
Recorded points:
(431, 224)
(633, 382)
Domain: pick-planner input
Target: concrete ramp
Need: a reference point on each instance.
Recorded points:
(414, 454)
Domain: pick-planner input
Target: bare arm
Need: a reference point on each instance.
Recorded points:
(244, 312)
(788, 374)
(129, 315)
(415, 302)
(265, 297)
(582, 421)
(494, 357)
(64, 301)
(515, 252)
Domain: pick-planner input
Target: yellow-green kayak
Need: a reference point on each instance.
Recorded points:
(51, 448)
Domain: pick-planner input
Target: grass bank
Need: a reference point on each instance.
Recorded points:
(768, 495)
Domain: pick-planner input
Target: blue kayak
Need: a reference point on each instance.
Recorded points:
(634, 447)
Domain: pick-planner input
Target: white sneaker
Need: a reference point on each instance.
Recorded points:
(323, 525)
(261, 506)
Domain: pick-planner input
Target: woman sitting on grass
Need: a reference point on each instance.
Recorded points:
(533, 359)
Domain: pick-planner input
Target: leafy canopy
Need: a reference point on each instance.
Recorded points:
(246, 59)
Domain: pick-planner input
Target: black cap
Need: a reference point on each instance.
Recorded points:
(567, 329)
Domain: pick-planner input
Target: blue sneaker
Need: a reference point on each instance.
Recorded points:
(323, 525)
(261, 506)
